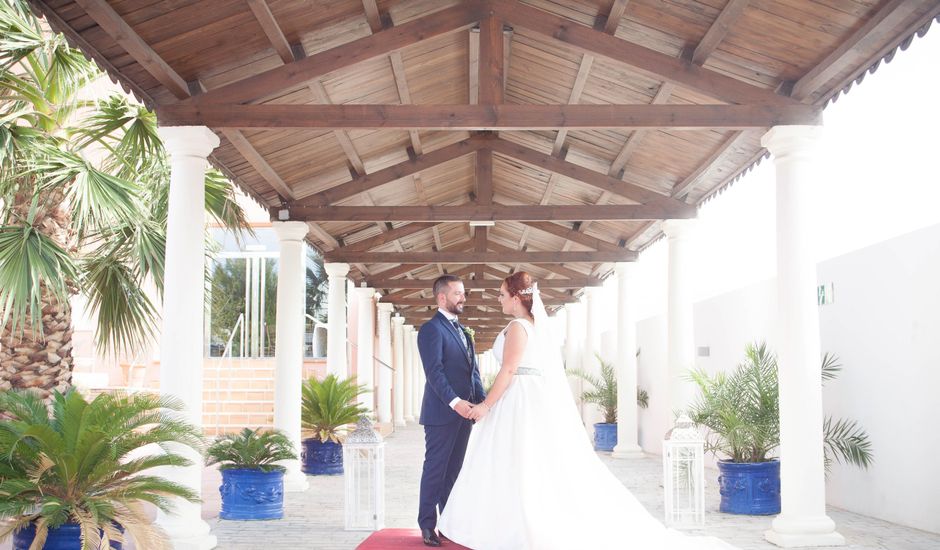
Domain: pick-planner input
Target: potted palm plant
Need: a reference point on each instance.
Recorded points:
(604, 395)
(740, 413)
(252, 484)
(329, 406)
(73, 475)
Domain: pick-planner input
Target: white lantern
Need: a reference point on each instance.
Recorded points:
(684, 475)
(364, 465)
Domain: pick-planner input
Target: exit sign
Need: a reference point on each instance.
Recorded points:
(824, 294)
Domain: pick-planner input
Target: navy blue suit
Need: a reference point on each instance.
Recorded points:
(451, 371)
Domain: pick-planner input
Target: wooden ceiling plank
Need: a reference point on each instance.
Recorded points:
(662, 96)
(271, 29)
(389, 236)
(398, 71)
(584, 70)
(640, 58)
(404, 169)
(342, 136)
(485, 117)
(685, 187)
(122, 33)
(254, 158)
(718, 30)
(572, 235)
(376, 45)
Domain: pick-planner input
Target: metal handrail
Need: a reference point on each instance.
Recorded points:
(374, 358)
(228, 344)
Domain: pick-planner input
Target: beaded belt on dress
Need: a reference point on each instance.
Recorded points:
(528, 371)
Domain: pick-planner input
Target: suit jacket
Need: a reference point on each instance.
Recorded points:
(450, 369)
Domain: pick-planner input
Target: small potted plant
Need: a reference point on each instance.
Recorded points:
(329, 406)
(252, 484)
(740, 413)
(604, 395)
(72, 475)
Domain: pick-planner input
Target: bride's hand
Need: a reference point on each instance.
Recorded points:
(479, 411)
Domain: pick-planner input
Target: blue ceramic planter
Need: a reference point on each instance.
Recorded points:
(749, 488)
(65, 537)
(250, 494)
(321, 459)
(605, 437)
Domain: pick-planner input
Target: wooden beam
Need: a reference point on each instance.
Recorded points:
(686, 186)
(479, 283)
(373, 16)
(342, 136)
(122, 33)
(398, 71)
(254, 158)
(612, 20)
(645, 60)
(491, 61)
(584, 175)
(389, 236)
(872, 32)
(486, 117)
(379, 44)
(392, 173)
(341, 255)
(271, 29)
(662, 96)
(420, 302)
(321, 234)
(435, 231)
(497, 212)
(484, 177)
(720, 27)
(572, 235)
(474, 57)
(584, 69)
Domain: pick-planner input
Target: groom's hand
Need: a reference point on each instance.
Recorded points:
(463, 408)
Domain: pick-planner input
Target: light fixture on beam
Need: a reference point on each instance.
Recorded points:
(482, 223)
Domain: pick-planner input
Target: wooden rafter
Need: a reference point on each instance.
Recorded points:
(486, 117)
(609, 22)
(572, 235)
(271, 29)
(647, 61)
(491, 61)
(584, 69)
(373, 16)
(464, 257)
(474, 301)
(484, 198)
(398, 71)
(254, 158)
(381, 43)
(412, 284)
(684, 187)
(719, 28)
(389, 236)
(496, 212)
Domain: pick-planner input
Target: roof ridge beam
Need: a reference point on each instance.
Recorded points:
(463, 257)
(473, 212)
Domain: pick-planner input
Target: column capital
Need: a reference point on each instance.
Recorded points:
(400, 321)
(386, 307)
(188, 141)
(623, 269)
(592, 292)
(677, 229)
(336, 270)
(290, 231)
(783, 140)
(365, 293)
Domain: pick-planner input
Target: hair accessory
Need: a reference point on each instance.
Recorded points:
(531, 290)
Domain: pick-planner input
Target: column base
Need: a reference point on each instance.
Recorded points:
(189, 534)
(795, 532)
(628, 451)
(295, 482)
(409, 420)
(400, 424)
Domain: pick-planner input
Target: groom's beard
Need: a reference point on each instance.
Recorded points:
(455, 309)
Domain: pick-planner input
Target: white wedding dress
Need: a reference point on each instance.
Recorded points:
(531, 479)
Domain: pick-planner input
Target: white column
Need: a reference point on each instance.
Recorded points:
(803, 520)
(181, 351)
(365, 365)
(627, 414)
(417, 390)
(409, 372)
(336, 323)
(289, 342)
(591, 413)
(385, 355)
(398, 362)
(572, 345)
(680, 329)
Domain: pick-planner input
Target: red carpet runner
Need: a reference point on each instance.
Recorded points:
(395, 539)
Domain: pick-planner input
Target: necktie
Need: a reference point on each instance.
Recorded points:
(463, 337)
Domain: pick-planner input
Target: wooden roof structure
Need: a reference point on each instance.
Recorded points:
(574, 126)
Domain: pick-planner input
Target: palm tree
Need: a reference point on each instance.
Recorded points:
(84, 190)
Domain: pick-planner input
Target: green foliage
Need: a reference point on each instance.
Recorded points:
(740, 411)
(84, 462)
(604, 393)
(329, 405)
(252, 449)
(108, 216)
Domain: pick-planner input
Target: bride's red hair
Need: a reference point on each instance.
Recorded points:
(516, 283)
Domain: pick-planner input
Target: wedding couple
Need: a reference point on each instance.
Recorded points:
(514, 469)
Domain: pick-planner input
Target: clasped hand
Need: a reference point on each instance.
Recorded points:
(471, 411)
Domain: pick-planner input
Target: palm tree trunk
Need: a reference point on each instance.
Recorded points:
(41, 359)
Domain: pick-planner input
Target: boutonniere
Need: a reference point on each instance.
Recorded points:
(469, 332)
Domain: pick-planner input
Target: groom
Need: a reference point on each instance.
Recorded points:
(453, 386)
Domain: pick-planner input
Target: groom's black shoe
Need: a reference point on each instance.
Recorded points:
(430, 537)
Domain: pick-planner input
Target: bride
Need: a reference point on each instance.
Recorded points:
(530, 479)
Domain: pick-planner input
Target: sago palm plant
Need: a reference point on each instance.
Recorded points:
(251, 449)
(83, 207)
(740, 411)
(329, 405)
(82, 462)
(604, 393)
